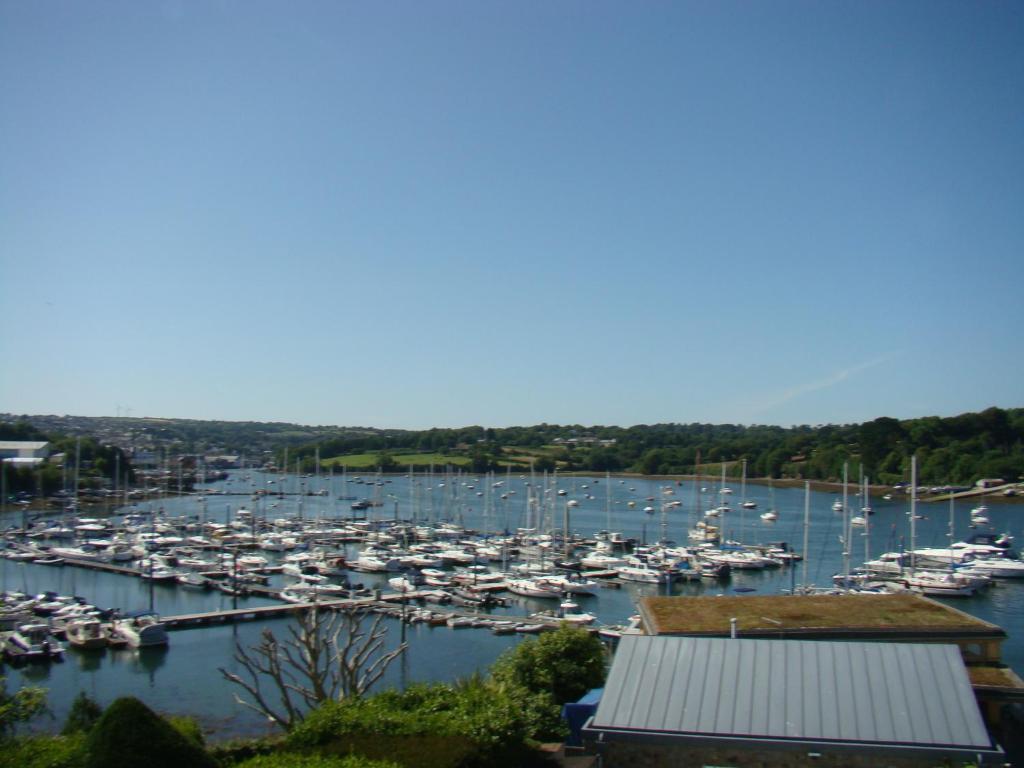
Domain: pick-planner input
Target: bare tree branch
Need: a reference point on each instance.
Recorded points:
(322, 658)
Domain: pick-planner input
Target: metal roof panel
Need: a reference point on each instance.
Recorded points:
(854, 692)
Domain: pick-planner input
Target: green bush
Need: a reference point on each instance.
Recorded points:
(189, 728)
(83, 715)
(564, 664)
(20, 706)
(291, 760)
(130, 734)
(44, 752)
(238, 750)
(475, 722)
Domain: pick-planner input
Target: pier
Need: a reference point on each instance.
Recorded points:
(388, 604)
(234, 615)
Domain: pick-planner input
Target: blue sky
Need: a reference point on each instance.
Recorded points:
(437, 214)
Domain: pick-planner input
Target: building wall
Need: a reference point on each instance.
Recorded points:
(24, 450)
(640, 755)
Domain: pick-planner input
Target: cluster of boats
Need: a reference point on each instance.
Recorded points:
(959, 570)
(248, 548)
(36, 627)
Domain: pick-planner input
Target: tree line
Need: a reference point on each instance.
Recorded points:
(950, 450)
(98, 462)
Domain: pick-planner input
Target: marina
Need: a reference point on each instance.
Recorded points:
(605, 542)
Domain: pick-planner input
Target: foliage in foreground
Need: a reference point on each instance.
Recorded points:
(291, 760)
(564, 664)
(493, 721)
(44, 752)
(130, 733)
(20, 706)
(473, 723)
(84, 714)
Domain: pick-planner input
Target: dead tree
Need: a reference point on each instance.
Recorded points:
(327, 656)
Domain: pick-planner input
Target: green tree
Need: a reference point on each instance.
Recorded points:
(564, 664)
(83, 715)
(386, 462)
(543, 464)
(19, 707)
(651, 463)
(130, 733)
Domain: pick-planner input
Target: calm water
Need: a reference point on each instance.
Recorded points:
(184, 678)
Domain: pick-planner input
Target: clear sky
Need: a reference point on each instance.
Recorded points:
(409, 214)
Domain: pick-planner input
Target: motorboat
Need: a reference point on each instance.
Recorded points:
(143, 630)
(569, 611)
(641, 573)
(531, 588)
(996, 567)
(33, 642)
(369, 563)
(567, 585)
(193, 580)
(601, 561)
(939, 584)
(86, 634)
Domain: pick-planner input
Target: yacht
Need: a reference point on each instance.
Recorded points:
(642, 573)
(531, 588)
(143, 630)
(86, 633)
(33, 642)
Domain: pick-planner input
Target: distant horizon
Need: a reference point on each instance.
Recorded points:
(485, 425)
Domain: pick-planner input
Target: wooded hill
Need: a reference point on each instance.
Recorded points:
(955, 450)
(951, 450)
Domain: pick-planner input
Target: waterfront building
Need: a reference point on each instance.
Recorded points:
(897, 618)
(768, 702)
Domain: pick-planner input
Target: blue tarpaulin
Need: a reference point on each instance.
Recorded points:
(577, 713)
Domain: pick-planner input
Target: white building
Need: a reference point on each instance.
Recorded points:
(24, 449)
(24, 453)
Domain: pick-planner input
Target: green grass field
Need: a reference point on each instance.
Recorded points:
(371, 460)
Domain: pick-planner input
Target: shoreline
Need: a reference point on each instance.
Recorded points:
(991, 495)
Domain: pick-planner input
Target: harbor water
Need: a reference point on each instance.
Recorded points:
(185, 677)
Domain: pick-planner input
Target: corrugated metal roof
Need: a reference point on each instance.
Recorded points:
(908, 694)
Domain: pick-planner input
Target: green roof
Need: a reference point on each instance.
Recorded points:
(832, 615)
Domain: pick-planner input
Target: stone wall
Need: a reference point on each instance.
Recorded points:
(639, 755)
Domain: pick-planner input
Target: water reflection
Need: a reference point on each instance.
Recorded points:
(87, 660)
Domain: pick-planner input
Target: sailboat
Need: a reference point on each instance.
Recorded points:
(771, 515)
(746, 503)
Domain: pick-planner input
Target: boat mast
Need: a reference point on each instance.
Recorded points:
(846, 523)
(807, 527)
(867, 519)
(951, 507)
(608, 501)
(913, 511)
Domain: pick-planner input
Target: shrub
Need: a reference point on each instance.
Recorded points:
(189, 728)
(44, 752)
(130, 733)
(83, 715)
(291, 760)
(472, 723)
(19, 707)
(564, 664)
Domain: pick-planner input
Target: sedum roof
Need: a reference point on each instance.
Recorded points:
(821, 615)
